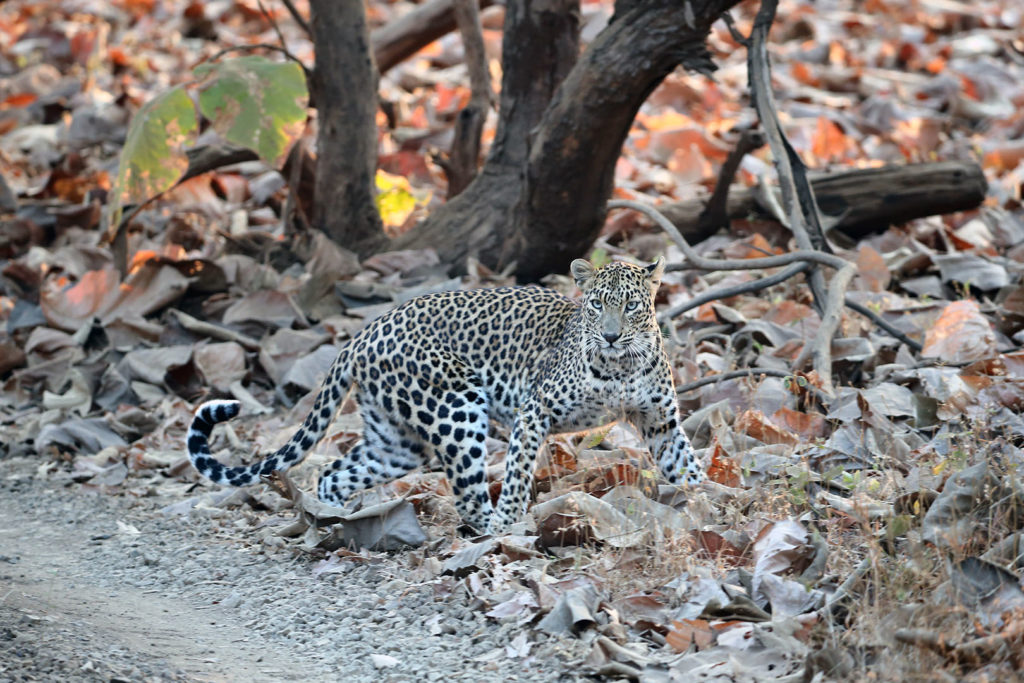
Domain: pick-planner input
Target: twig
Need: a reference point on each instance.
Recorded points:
(881, 322)
(299, 19)
(734, 290)
(928, 640)
(797, 196)
(273, 22)
(732, 374)
(261, 46)
(715, 213)
(843, 591)
(819, 351)
(695, 260)
(771, 280)
(746, 372)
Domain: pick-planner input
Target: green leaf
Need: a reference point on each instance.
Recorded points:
(153, 157)
(255, 103)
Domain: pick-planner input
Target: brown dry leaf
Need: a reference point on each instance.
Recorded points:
(687, 632)
(713, 545)
(829, 141)
(787, 312)
(266, 306)
(92, 295)
(99, 294)
(723, 469)
(960, 334)
(220, 363)
(872, 272)
(808, 425)
(755, 246)
(754, 424)
(580, 515)
(600, 479)
(781, 547)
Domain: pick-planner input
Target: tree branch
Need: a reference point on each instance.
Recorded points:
(715, 214)
(299, 19)
(398, 40)
(461, 165)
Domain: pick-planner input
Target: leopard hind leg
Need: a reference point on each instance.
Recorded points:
(386, 452)
(455, 431)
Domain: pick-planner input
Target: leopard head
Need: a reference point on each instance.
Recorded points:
(617, 307)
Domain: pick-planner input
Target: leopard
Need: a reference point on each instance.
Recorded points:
(430, 375)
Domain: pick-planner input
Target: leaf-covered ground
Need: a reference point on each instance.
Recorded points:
(876, 532)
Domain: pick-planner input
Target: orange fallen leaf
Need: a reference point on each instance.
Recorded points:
(19, 100)
(808, 426)
(961, 333)
(871, 270)
(753, 423)
(686, 632)
(723, 469)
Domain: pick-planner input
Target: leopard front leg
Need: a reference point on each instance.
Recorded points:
(528, 433)
(662, 428)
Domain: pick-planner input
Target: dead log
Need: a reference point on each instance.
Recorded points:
(400, 39)
(861, 201)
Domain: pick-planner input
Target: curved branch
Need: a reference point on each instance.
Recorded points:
(735, 290)
(695, 260)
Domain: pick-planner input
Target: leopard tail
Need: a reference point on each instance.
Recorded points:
(332, 394)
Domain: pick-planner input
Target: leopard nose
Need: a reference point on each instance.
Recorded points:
(611, 337)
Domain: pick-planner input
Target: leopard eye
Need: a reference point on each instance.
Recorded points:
(596, 303)
(631, 306)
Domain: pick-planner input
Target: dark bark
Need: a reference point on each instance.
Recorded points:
(859, 201)
(571, 168)
(345, 89)
(407, 35)
(540, 45)
(539, 200)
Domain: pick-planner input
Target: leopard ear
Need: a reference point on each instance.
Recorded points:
(655, 271)
(582, 272)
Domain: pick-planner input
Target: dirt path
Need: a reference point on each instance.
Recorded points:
(101, 587)
(61, 623)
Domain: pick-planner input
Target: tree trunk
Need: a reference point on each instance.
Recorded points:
(345, 90)
(571, 169)
(542, 208)
(540, 45)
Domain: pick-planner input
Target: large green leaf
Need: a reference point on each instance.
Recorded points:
(153, 157)
(255, 103)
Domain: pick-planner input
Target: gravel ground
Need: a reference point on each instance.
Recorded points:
(106, 587)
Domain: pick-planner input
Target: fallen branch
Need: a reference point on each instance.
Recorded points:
(732, 374)
(733, 290)
(400, 39)
(856, 202)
